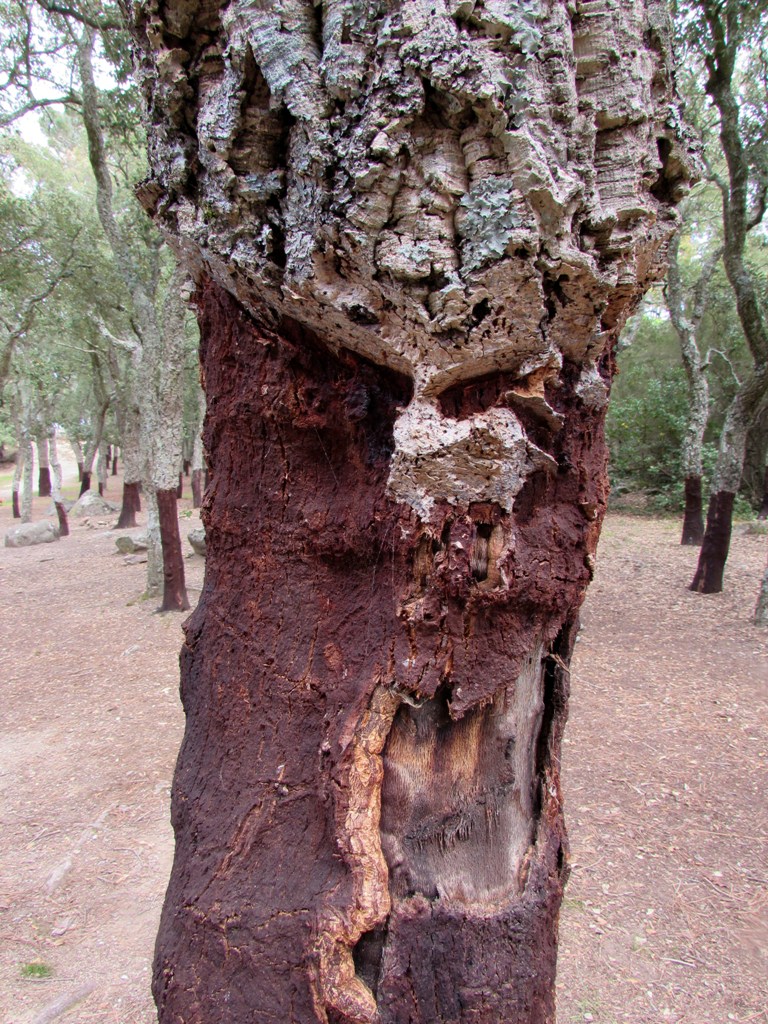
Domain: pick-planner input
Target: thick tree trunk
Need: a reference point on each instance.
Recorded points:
(445, 702)
(693, 517)
(85, 481)
(708, 578)
(44, 468)
(423, 230)
(131, 505)
(174, 587)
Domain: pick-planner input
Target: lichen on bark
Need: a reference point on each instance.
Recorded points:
(417, 229)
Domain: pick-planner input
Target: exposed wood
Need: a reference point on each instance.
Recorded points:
(416, 230)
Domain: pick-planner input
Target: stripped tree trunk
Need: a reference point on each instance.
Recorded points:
(18, 469)
(686, 323)
(56, 479)
(743, 204)
(417, 230)
(102, 468)
(44, 467)
(763, 510)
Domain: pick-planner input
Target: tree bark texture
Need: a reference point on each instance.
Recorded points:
(44, 468)
(693, 517)
(174, 587)
(687, 322)
(85, 481)
(416, 231)
(130, 506)
(710, 570)
(763, 510)
(26, 480)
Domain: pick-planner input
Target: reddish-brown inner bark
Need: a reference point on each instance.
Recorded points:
(693, 517)
(85, 481)
(714, 549)
(131, 505)
(15, 505)
(44, 482)
(319, 592)
(174, 586)
(114, 463)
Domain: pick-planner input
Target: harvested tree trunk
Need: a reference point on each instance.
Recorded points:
(44, 468)
(708, 578)
(693, 515)
(56, 482)
(18, 468)
(442, 223)
(686, 314)
(174, 589)
(85, 481)
(131, 505)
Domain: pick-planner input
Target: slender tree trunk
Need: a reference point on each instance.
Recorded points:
(27, 475)
(18, 469)
(180, 487)
(77, 448)
(58, 501)
(687, 325)
(154, 545)
(410, 286)
(748, 402)
(114, 461)
(44, 468)
(102, 467)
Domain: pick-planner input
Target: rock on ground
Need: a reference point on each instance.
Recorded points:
(31, 533)
(92, 504)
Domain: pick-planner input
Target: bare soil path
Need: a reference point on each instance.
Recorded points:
(666, 775)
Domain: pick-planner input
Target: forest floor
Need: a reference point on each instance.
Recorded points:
(665, 776)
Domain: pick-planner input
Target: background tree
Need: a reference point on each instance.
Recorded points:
(416, 233)
(721, 35)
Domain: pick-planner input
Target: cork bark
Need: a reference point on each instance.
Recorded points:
(416, 230)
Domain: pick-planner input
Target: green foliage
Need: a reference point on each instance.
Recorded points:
(36, 970)
(645, 428)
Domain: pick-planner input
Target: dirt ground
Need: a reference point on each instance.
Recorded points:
(665, 769)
